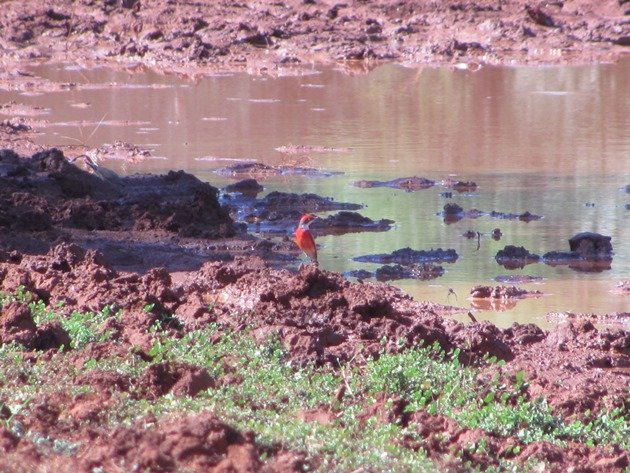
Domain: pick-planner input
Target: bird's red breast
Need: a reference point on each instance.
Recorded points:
(306, 242)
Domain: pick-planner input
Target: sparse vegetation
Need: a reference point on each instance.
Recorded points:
(322, 411)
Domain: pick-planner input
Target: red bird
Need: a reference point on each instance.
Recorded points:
(304, 237)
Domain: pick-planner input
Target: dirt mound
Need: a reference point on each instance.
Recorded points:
(17, 325)
(193, 443)
(178, 378)
(576, 367)
(46, 192)
(135, 222)
(440, 437)
(198, 442)
(407, 256)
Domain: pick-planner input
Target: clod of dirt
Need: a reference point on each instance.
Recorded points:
(276, 201)
(540, 16)
(514, 257)
(179, 378)
(460, 186)
(248, 187)
(349, 222)
(260, 171)
(591, 245)
(193, 443)
(501, 292)
(498, 298)
(407, 256)
(590, 252)
(408, 184)
(423, 271)
(577, 262)
(483, 338)
(17, 325)
(453, 213)
(279, 213)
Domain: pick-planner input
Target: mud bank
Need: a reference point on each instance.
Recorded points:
(263, 36)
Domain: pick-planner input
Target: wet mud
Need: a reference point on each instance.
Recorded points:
(454, 213)
(260, 171)
(267, 36)
(279, 212)
(415, 183)
(407, 256)
(77, 235)
(589, 252)
(499, 298)
(408, 184)
(394, 272)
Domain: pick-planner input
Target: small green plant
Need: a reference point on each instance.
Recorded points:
(258, 388)
(82, 327)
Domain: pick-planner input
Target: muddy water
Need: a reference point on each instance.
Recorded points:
(553, 141)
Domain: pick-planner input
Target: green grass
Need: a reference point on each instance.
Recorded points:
(268, 395)
(432, 380)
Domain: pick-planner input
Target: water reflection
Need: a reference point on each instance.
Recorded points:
(544, 140)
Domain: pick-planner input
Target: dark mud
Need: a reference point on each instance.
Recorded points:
(407, 256)
(408, 184)
(499, 298)
(518, 279)
(501, 292)
(589, 252)
(260, 171)
(278, 213)
(415, 183)
(515, 257)
(349, 222)
(136, 222)
(394, 272)
(454, 213)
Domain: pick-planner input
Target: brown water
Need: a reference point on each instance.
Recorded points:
(554, 141)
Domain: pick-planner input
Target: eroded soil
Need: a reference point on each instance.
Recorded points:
(319, 317)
